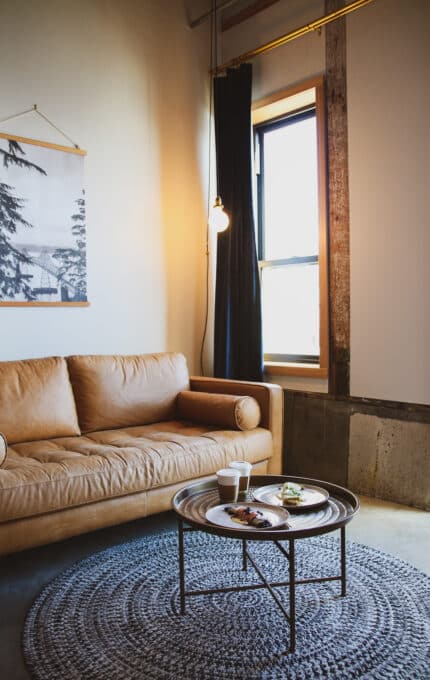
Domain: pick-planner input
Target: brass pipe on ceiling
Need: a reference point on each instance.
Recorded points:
(297, 33)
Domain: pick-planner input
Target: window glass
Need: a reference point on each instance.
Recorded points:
(290, 306)
(291, 228)
(290, 190)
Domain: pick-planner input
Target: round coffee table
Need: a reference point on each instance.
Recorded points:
(192, 502)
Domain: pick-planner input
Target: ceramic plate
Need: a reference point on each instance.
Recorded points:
(217, 515)
(313, 496)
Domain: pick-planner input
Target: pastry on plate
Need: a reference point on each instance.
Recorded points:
(291, 493)
(249, 517)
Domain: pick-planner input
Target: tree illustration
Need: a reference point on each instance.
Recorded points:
(12, 280)
(72, 262)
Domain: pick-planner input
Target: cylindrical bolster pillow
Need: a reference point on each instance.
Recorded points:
(226, 410)
(3, 449)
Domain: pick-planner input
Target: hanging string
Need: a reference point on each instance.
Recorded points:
(34, 109)
(213, 38)
(17, 115)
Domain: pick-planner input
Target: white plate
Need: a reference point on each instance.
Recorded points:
(276, 516)
(313, 496)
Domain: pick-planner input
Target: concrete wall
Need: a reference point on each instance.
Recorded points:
(376, 449)
(390, 459)
(128, 81)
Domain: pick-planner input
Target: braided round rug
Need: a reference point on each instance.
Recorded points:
(115, 616)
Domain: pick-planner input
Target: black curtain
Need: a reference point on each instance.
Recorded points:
(238, 343)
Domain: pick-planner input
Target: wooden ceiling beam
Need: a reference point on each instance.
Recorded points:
(246, 13)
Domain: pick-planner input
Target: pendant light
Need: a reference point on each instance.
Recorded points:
(218, 218)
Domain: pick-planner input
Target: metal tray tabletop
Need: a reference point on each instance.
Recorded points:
(192, 502)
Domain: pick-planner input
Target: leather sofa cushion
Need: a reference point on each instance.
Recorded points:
(3, 449)
(122, 391)
(45, 476)
(36, 400)
(224, 410)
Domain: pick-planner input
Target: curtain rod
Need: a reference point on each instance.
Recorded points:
(297, 33)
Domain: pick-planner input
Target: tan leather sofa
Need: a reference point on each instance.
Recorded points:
(98, 440)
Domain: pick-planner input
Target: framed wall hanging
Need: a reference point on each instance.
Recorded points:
(43, 244)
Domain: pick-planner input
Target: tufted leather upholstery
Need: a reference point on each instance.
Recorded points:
(135, 452)
(51, 475)
(55, 526)
(36, 400)
(120, 391)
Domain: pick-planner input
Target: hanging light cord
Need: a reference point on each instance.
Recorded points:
(34, 109)
(212, 41)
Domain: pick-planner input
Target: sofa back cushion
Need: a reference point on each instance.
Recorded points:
(36, 400)
(123, 391)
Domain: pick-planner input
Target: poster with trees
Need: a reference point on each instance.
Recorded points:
(43, 244)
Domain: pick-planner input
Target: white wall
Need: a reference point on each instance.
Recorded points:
(389, 146)
(128, 81)
(388, 103)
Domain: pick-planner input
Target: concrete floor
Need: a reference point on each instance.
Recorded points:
(396, 529)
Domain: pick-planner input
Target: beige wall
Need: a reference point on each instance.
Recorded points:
(388, 103)
(128, 81)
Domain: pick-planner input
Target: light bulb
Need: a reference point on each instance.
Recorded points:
(218, 218)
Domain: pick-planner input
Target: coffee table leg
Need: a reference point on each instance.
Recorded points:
(343, 559)
(181, 565)
(292, 596)
(244, 560)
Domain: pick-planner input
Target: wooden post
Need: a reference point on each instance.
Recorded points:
(338, 202)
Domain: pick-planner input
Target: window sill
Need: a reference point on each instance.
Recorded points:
(272, 368)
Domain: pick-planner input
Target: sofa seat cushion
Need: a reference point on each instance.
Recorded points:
(45, 476)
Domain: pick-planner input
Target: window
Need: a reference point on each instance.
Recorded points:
(291, 238)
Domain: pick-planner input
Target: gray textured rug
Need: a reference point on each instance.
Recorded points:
(116, 616)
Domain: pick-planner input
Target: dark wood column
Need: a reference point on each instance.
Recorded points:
(338, 203)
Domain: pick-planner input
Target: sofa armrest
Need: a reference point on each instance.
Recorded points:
(270, 398)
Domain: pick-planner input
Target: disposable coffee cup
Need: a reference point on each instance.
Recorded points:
(228, 485)
(244, 469)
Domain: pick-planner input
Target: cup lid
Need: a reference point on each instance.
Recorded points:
(228, 472)
(240, 465)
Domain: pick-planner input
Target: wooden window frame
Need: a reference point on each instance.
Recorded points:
(292, 100)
